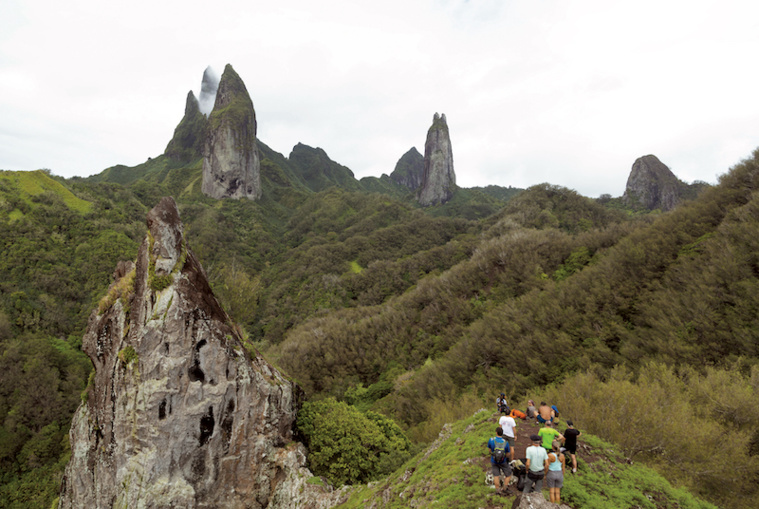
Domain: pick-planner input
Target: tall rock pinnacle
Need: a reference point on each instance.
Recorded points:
(439, 180)
(187, 143)
(652, 185)
(180, 413)
(231, 167)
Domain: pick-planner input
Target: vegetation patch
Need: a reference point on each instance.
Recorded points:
(34, 183)
(128, 355)
(123, 289)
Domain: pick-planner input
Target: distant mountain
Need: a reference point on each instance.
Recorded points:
(409, 170)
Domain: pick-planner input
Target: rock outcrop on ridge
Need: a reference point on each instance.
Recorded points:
(652, 185)
(438, 180)
(179, 413)
(409, 170)
(231, 166)
(187, 143)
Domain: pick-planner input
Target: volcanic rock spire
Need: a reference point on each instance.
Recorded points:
(439, 180)
(231, 166)
(180, 413)
(652, 185)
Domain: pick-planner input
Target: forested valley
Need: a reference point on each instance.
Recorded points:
(641, 325)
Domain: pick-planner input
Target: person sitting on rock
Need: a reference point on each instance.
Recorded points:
(545, 413)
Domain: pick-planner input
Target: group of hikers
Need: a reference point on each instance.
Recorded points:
(544, 459)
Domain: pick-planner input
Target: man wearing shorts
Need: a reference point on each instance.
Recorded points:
(509, 426)
(503, 466)
(570, 444)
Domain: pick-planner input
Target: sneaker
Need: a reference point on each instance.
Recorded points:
(574, 470)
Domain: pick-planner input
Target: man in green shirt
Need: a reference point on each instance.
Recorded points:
(548, 434)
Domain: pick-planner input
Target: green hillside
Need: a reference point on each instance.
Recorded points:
(627, 320)
(451, 472)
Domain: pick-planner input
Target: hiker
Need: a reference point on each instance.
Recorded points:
(500, 403)
(532, 412)
(555, 473)
(554, 414)
(570, 444)
(545, 413)
(549, 434)
(500, 453)
(537, 464)
(509, 426)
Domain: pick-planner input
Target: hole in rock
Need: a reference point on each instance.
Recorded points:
(207, 424)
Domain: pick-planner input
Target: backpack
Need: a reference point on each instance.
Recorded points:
(499, 451)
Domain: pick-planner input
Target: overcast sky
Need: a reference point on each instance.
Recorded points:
(558, 91)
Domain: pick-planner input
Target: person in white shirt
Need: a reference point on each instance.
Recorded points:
(509, 426)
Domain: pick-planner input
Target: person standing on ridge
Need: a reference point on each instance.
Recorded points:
(571, 435)
(555, 473)
(509, 426)
(537, 464)
(500, 453)
(549, 434)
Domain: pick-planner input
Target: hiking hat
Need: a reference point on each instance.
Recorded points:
(535, 438)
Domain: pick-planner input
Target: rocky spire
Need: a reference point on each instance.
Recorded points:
(231, 167)
(409, 170)
(180, 413)
(187, 143)
(438, 180)
(652, 185)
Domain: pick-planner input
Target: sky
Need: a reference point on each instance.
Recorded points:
(559, 91)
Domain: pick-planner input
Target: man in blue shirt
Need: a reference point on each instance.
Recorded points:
(500, 454)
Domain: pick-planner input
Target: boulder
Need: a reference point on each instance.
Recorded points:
(180, 412)
(535, 501)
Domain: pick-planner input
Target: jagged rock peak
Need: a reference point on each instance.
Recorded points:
(187, 142)
(180, 413)
(208, 88)
(231, 165)
(439, 179)
(409, 170)
(652, 185)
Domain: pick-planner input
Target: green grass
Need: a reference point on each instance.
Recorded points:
(453, 475)
(33, 183)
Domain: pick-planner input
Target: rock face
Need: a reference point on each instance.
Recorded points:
(651, 185)
(409, 170)
(180, 414)
(438, 180)
(231, 167)
(208, 88)
(187, 143)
